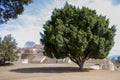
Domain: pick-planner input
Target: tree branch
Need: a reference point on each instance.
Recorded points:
(72, 58)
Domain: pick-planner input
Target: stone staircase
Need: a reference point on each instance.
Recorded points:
(38, 59)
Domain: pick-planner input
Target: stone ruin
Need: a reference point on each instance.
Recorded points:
(104, 64)
(35, 55)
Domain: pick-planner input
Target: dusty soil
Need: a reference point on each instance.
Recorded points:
(54, 72)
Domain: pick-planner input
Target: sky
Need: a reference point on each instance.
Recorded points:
(29, 24)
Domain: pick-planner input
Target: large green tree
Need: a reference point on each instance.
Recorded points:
(7, 49)
(77, 33)
(10, 9)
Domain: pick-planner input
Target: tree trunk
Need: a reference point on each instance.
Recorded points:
(3, 61)
(79, 62)
(81, 65)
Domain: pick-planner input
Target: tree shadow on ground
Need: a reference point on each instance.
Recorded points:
(7, 64)
(49, 70)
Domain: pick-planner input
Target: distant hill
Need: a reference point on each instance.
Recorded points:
(113, 57)
(114, 54)
(29, 44)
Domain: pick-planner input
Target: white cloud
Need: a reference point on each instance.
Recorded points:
(28, 26)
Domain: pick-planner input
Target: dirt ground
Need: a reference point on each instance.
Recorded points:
(54, 72)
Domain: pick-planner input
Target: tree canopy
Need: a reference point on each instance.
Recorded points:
(7, 49)
(77, 33)
(10, 9)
